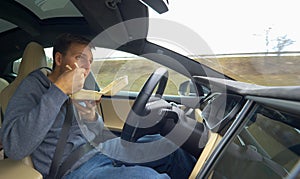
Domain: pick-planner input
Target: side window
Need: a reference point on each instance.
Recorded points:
(267, 147)
(48, 52)
(111, 64)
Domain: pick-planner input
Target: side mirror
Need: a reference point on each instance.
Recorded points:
(188, 88)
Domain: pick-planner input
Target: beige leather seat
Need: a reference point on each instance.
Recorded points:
(3, 84)
(33, 58)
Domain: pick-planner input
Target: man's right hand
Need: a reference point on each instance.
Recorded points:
(71, 81)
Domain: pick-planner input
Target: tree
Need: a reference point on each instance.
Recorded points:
(282, 42)
(267, 33)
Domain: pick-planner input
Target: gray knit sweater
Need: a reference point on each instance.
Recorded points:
(34, 119)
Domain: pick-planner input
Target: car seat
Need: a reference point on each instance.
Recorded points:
(3, 84)
(33, 58)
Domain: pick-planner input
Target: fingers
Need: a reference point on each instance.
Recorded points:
(71, 81)
(80, 72)
(90, 104)
(77, 79)
(86, 106)
(86, 109)
(77, 67)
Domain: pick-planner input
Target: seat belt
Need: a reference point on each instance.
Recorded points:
(73, 158)
(62, 140)
(58, 168)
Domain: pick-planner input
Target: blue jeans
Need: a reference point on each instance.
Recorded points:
(100, 166)
(178, 164)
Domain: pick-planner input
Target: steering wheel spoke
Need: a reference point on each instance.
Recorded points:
(144, 116)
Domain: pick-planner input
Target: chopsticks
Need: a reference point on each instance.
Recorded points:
(68, 66)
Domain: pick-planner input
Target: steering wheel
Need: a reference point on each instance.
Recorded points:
(131, 131)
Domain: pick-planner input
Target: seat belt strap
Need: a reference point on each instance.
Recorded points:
(62, 140)
(73, 158)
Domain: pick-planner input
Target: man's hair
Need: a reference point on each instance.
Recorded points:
(64, 41)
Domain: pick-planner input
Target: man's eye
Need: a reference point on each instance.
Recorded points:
(84, 59)
(78, 58)
(81, 58)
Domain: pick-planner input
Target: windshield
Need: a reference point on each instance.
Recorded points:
(253, 41)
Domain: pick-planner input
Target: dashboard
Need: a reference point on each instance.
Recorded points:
(220, 108)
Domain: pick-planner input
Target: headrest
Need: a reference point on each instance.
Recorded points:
(33, 58)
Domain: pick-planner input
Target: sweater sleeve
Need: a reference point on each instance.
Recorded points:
(30, 114)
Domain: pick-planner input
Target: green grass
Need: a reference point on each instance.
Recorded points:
(271, 71)
(138, 71)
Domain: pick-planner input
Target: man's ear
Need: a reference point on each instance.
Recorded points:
(58, 59)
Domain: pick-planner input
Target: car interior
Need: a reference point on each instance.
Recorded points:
(32, 59)
(234, 129)
(3, 84)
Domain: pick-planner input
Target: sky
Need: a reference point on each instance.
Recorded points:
(233, 26)
(229, 26)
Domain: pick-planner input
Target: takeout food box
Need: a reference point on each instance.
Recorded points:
(110, 90)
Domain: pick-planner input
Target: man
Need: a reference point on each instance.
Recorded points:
(39, 106)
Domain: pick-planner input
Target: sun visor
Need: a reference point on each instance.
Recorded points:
(157, 5)
(117, 19)
(102, 14)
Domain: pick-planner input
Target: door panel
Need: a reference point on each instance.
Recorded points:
(115, 111)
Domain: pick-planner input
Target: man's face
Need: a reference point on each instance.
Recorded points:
(80, 54)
